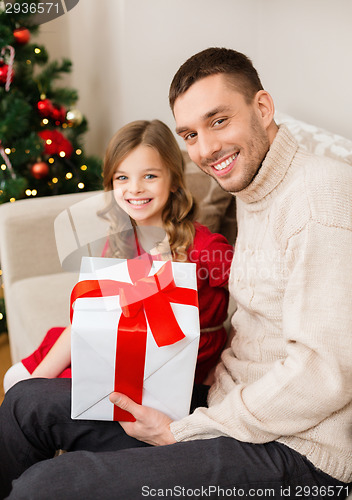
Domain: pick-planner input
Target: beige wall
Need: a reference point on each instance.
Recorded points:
(125, 52)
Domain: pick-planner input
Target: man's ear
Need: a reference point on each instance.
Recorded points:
(265, 107)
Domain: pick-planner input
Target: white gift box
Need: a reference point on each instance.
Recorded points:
(168, 370)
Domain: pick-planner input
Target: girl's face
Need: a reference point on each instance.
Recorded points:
(142, 185)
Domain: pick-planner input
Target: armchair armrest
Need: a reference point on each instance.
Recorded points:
(27, 239)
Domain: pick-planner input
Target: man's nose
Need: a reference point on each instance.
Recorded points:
(208, 145)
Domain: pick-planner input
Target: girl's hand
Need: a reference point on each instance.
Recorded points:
(151, 426)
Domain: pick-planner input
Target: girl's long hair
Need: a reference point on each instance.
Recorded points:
(179, 211)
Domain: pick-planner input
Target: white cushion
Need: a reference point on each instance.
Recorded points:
(317, 140)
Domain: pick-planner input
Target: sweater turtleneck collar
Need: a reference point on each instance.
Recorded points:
(273, 168)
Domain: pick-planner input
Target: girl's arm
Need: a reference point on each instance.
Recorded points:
(57, 359)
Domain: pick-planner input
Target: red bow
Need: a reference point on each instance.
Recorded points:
(148, 296)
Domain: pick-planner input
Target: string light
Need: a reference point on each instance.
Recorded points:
(69, 175)
(49, 141)
(12, 200)
(31, 192)
(80, 185)
(62, 154)
(55, 180)
(78, 151)
(7, 151)
(45, 121)
(1, 316)
(37, 50)
(27, 151)
(84, 167)
(3, 166)
(29, 61)
(51, 160)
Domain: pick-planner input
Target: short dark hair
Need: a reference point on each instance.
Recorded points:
(236, 66)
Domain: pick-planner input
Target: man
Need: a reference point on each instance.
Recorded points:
(279, 415)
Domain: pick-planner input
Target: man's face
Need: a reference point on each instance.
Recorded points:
(226, 137)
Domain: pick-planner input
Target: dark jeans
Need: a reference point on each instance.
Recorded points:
(103, 462)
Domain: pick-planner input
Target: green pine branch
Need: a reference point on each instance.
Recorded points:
(65, 96)
(52, 72)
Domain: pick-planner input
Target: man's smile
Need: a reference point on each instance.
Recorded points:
(225, 165)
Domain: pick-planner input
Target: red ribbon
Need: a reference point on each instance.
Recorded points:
(148, 297)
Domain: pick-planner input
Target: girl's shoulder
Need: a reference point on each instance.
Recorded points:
(204, 237)
(210, 250)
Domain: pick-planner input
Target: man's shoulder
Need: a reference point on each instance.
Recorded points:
(328, 188)
(316, 165)
(319, 190)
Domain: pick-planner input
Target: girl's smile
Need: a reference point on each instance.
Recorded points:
(139, 202)
(142, 185)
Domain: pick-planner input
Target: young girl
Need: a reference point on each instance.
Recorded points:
(144, 176)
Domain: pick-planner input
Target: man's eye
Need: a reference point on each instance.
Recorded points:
(190, 136)
(219, 121)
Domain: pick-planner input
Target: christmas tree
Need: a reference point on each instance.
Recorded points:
(41, 145)
(41, 131)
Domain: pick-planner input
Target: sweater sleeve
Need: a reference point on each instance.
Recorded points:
(315, 378)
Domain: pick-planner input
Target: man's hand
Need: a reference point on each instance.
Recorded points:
(151, 426)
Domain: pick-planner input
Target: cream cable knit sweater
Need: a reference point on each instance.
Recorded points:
(287, 376)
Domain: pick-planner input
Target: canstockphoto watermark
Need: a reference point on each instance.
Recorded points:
(213, 491)
(209, 491)
(42, 11)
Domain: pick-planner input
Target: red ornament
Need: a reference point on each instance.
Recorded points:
(4, 68)
(21, 35)
(58, 114)
(49, 110)
(45, 108)
(56, 143)
(40, 170)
